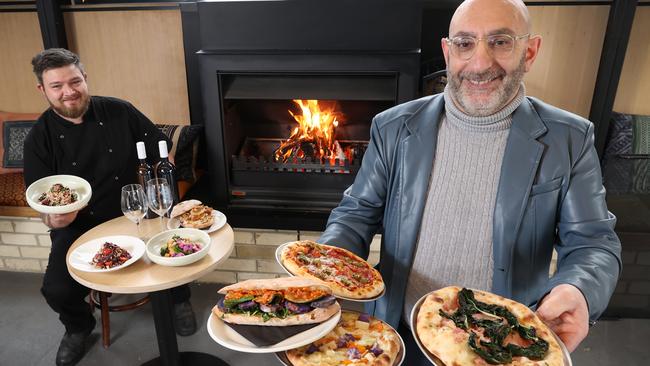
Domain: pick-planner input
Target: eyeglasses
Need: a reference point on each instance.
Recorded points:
(499, 45)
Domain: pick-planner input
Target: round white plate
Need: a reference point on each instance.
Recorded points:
(219, 222)
(156, 242)
(82, 256)
(77, 184)
(435, 361)
(278, 258)
(229, 338)
(401, 355)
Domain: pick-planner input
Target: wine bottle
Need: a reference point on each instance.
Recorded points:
(145, 172)
(166, 170)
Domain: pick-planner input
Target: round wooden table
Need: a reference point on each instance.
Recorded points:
(145, 276)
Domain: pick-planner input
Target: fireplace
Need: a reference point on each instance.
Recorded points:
(263, 66)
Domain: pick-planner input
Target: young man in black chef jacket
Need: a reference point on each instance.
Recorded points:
(94, 138)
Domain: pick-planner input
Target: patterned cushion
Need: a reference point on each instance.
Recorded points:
(627, 135)
(13, 130)
(640, 134)
(184, 148)
(12, 190)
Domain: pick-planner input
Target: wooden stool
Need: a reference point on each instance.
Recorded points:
(99, 299)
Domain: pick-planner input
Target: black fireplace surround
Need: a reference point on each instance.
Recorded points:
(256, 56)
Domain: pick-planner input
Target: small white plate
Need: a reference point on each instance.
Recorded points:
(82, 256)
(278, 258)
(79, 185)
(219, 222)
(156, 242)
(436, 362)
(229, 338)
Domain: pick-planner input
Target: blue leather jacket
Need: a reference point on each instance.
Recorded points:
(550, 194)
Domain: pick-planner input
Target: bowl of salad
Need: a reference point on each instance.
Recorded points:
(178, 247)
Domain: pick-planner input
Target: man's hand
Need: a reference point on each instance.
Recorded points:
(57, 221)
(565, 311)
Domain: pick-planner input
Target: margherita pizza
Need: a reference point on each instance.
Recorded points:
(345, 273)
(470, 327)
(358, 339)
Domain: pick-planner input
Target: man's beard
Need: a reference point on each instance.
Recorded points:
(73, 112)
(497, 100)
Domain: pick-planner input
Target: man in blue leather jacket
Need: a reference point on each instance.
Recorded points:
(476, 186)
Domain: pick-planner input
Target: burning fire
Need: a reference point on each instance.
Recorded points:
(314, 136)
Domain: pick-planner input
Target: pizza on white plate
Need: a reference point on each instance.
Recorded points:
(471, 327)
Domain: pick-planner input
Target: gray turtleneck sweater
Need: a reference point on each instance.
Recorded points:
(455, 240)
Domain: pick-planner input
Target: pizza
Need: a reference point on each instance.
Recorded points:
(347, 274)
(470, 327)
(357, 339)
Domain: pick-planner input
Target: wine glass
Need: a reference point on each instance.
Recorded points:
(160, 197)
(134, 203)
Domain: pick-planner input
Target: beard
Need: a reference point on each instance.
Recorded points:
(72, 112)
(496, 100)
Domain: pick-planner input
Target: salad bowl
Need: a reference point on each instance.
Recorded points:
(178, 247)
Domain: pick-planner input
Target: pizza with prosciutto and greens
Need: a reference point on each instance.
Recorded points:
(471, 327)
(345, 273)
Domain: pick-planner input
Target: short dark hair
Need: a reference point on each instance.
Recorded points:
(53, 58)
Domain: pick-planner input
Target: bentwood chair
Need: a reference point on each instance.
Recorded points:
(99, 299)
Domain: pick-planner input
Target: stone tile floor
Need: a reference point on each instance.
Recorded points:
(30, 333)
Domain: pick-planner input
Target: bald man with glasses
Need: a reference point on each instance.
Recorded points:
(478, 185)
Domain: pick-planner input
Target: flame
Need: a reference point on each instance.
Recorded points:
(316, 124)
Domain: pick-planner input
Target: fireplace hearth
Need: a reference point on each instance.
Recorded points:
(273, 162)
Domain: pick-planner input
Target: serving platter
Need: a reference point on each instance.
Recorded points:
(226, 336)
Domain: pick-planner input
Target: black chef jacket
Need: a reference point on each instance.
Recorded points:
(101, 150)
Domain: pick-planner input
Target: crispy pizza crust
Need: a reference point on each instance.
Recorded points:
(374, 288)
(442, 338)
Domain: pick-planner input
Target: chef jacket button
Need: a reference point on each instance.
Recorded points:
(101, 123)
(145, 134)
(116, 177)
(91, 212)
(110, 150)
(74, 163)
(61, 136)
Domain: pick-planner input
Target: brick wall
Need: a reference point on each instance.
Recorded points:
(25, 246)
(632, 295)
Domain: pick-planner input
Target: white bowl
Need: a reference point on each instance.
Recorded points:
(79, 185)
(156, 242)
